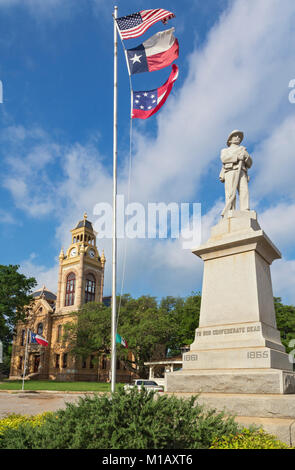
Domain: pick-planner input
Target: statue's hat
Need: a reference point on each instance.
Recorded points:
(236, 132)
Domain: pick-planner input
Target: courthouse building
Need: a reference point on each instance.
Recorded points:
(80, 280)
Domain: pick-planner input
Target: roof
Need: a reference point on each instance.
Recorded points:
(84, 223)
(47, 294)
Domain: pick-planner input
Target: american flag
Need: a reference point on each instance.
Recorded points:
(135, 25)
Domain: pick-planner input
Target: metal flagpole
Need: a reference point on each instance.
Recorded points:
(25, 361)
(114, 246)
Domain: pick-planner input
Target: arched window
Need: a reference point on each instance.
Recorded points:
(90, 288)
(40, 329)
(70, 290)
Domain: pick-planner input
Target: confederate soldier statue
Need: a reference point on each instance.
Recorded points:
(235, 163)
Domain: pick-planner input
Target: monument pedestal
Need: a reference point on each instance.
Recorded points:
(237, 347)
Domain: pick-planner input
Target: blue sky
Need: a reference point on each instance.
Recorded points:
(56, 66)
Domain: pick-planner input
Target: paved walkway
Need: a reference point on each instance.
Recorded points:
(32, 403)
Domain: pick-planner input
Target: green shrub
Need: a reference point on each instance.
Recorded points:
(249, 439)
(125, 420)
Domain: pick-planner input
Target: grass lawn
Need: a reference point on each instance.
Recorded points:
(58, 386)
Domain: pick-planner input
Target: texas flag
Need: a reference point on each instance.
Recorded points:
(38, 339)
(147, 103)
(155, 53)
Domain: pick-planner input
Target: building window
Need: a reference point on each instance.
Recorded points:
(57, 361)
(40, 329)
(90, 288)
(59, 333)
(118, 364)
(91, 362)
(84, 363)
(20, 362)
(23, 338)
(65, 361)
(70, 289)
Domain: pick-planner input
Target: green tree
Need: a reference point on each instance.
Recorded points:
(153, 330)
(15, 298)
(141, 322)
(185, 312)
(285, 315)
(147, 329)
(15, 301)
(90, 331)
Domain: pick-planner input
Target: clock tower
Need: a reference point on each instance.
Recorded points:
(81, 270)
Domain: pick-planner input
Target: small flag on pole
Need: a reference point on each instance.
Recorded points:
(135, 25)
(121, 340)
(38, 339)
(157, 52)
(147, 103)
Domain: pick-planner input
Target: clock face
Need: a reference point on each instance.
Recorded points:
(73, 252)
(92, 253)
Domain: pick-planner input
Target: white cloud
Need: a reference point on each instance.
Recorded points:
(43, 274)
(27, 176)
(7, 218)
(43, 9)
(278, 222)
(238, 79)
(283, 276)
(211, 218)
(56, 9)
(228, 86)
(32, 4)
(275, 162)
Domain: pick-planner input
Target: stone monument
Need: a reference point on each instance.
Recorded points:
(237, 347)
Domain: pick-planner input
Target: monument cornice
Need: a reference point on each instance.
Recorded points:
(239, 243)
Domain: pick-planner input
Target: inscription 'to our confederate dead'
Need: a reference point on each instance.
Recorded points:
(228, 331)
